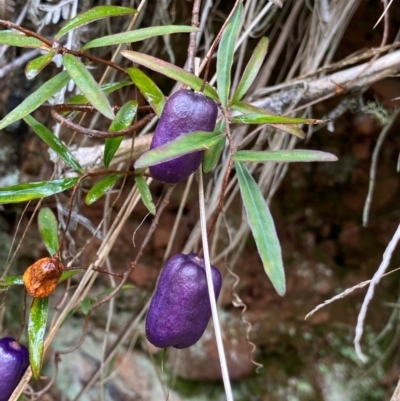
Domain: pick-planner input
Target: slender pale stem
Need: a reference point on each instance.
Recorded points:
(206, 256)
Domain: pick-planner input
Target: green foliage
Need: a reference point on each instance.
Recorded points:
(262, 227)
(148, 89)
(180, 146)
(36, 332)
(284, 156)
(87, 84)
(213, 153)
(145, 194)
(35, 66)
(48, 228)
(258, 118)
(225, 55)
(36, 99)
(123, 120)
(101, 187)
(252, 69)
(91, 15)
(35, 190)
(170, 71)
(18, 39)
(137, 35)
(54, 143)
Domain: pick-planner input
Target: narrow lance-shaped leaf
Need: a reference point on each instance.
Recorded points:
(251, 70)
(36, 99)
(284, 156)
(101, 187)
(18, 39)
(36, 65)
(180, 146)
(54, 143)
(122, 120)
(35, 190)
(36, 333)
(212, 154)
(147, 87)
(145, 194)
(12, 280)
(93, 14)
(48, 228)
(137, 35)
(170, 71)
(255, 118)
(291, 129)
(88, 86)
(106, 88)
(66, 275)
(226, 50)
(262, 227)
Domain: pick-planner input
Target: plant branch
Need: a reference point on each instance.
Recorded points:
(60, 48)
(55, 112)
(193, 35)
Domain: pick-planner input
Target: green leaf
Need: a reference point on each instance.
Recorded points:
(36, 65)
(106, 88)
(251, 70)
(291, 129)
(122, 120)
(35, 190)
(93, 14)
(170, 71)
(184, 144)
(88, 86)
(212, 154)
(284, 156)
(256, 118)
(36, 332)
(262, 227)
(145, 194)
(148, 89)
(54, 143)
(66, 275)
(85, 305)
(124, 117)
(18, 39)
(48, 228)
(36, 99)
(226, 49)
(11, 280)
(101, 187)
(137, 35)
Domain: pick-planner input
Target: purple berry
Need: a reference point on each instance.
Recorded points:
(14, 360)
(180, 308)
(184, 112)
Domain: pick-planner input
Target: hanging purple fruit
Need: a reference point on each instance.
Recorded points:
(184, 112)
(180, 308)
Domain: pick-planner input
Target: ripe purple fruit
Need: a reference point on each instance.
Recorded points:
(180, 308)
(14, 360)
(184, 112)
